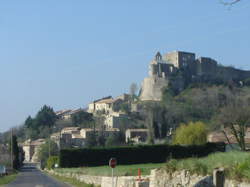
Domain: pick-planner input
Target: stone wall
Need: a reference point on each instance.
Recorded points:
(152, 88)
(158, 178)
(161, 178)
(104, 181)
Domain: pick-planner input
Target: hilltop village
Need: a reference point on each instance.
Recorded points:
(180, 69)
(128, 116)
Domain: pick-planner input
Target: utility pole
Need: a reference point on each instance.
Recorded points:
(49, 147)
(11, 148)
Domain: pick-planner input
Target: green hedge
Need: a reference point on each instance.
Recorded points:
(52, 160)
(134, 154)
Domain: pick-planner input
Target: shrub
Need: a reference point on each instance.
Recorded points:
(134, 154)
(52, 161)
(191, 134)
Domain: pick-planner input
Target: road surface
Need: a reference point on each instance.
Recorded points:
(30, 176)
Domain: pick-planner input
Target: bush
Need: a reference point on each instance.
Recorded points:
(52, 161)
(191, 134)
(135, 154)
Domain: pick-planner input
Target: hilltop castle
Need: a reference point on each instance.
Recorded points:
(178, 69)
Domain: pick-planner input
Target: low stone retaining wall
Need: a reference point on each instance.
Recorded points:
(121, 181)
(161, 178)
(158, 178)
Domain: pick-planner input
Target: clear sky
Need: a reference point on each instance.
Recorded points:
(67, 53)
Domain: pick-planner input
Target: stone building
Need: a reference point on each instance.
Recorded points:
(108, 104)
(31, 149)
(179, 69)
(179, 59)
(67, 114)
(102, 105)
(115, 120)
(136, 135)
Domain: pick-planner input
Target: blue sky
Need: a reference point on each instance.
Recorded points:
(67, 53)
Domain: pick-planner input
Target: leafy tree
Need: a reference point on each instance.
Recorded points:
(46, 150)
(156, 130)
(91, 140)
(193, 133)
(52, 160)
(40, 126)
(124, 107)
(29, 122)
(82, 117)
(101, 139)
(15, 148)
(115, 139)
(46, 117)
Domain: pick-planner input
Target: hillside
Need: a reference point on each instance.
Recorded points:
(201, 102)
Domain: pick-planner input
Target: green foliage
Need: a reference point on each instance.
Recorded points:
(194, 133)
(82, 118)
(7, 179)
(134, 154)
(40, 126)
(15, 148)
(45, 117)
(246, 82)
(236, 164)
(52, 160)
(91, 140)
(199, 103)
(29, 122)
(124, 107)
(241, 170)
(115, 139)
(46, 150)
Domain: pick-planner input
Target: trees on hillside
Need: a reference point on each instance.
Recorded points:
(17, 152)
(236, 117)
(46, 150)
(82, 119)
(16, 162)
(41, 125)
(193, 133)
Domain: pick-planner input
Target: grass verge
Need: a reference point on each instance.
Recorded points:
(7, 179)
(120, 170)
(71, 181)
(236, 164)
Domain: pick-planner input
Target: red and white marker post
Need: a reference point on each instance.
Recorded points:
(112, 164)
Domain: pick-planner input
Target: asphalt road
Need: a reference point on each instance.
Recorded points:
(30, 176)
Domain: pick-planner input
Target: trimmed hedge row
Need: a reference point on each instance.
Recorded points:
(134, 154)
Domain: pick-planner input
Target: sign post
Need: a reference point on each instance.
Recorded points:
(112, 164)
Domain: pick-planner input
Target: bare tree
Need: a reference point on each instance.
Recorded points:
(133, 89)
(229, 2)
(236, 117)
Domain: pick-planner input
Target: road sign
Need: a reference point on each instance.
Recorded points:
(112, 162)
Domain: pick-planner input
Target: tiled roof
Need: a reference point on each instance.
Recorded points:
(70, 128)
(107, 101)
(76, 136)
(137, 130)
